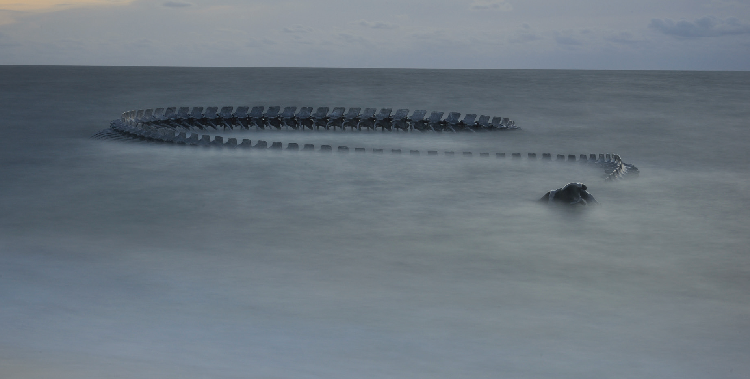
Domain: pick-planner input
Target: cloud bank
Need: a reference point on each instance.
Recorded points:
(376, 24)
(703, 27)
(176, 4)
(491, 5)
(53, 5)
(579, 34)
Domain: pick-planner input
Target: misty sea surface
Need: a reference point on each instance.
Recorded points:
(143, 260)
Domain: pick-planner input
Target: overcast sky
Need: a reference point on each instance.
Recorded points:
(580, 34)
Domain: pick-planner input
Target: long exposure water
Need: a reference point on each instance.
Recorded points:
(141, 260)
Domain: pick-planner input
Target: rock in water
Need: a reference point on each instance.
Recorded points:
(570, 194)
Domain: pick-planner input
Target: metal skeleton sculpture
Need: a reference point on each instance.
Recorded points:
(172, 125)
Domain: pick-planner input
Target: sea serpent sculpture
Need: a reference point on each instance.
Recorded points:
(171, 125)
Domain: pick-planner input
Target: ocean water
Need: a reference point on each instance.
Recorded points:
(138, 260)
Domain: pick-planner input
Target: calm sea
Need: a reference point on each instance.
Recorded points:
(136, 260)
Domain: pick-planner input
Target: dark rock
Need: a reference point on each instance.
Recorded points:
(570, 194)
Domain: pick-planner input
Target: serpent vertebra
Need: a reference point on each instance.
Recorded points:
(171, 126)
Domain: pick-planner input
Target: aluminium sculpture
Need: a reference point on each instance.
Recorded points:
(172, 124)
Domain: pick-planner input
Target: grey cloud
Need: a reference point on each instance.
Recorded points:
(143, 42)
(303, 41)
(252, 42)
(176, 4)
(298, 29)
(376, 24)
(702, 27)
(491, 5)
(10, 44)
(624, 38)
(524, 36)
(350, 38)
(429, 35)
(567, 40)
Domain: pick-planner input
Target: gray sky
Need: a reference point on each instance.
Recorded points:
(580, 34)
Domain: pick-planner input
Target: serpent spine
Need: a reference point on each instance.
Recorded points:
(171, 125)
